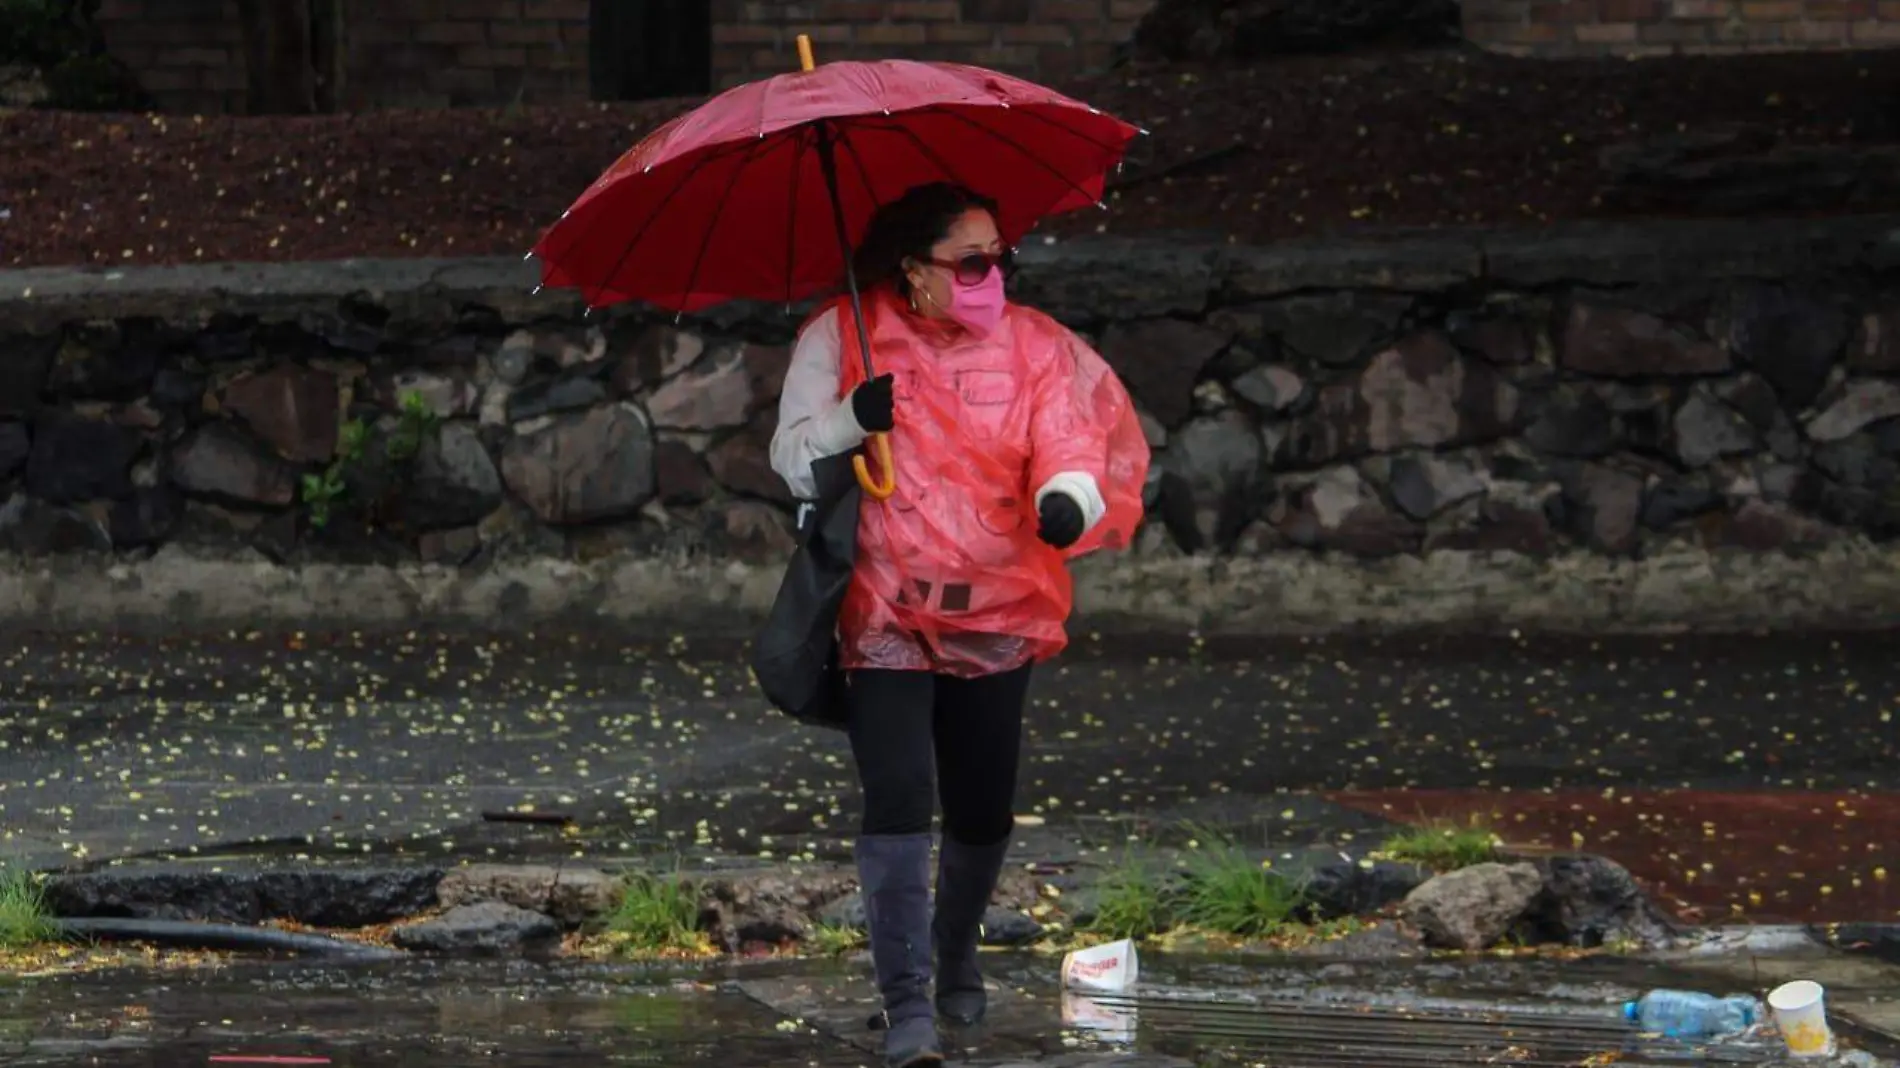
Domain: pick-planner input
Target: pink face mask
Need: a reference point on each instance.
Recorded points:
(978, 308)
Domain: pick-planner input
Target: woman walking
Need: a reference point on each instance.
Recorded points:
(1014, 449)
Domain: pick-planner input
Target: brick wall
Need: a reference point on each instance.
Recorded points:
(1657, 27)
(399, 53)
(1037, 38)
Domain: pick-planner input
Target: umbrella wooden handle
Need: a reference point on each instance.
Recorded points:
(805, 61)
(878, 491)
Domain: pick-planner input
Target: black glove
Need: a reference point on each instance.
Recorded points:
(873, 404)
(1062, 520)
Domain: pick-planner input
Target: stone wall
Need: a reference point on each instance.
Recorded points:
(1662, 27)
(1648, 425)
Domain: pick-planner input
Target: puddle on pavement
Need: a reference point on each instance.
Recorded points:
(1280, 1013)
(1714, 857)
(512, 1014)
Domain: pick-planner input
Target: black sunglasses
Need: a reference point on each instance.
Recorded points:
(972, 268)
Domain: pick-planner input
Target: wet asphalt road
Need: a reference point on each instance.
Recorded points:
(372, 744)
(1312, 1014)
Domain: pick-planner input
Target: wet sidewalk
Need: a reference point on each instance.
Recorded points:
(1279, 1012)
(1770, 759)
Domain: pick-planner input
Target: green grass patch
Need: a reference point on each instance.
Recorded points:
(657, 914)
(1444, 848)
(833, 940)
(1230, 892)
(24, 922)
(1132, 901)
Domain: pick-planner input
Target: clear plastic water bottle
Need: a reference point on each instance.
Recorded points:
(1687, 1014)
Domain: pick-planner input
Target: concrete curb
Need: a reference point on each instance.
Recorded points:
(1850, 585)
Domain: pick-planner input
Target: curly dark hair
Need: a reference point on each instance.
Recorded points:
(908, 228)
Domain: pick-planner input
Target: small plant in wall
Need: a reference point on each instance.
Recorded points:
(326, 491)
(322, 491)
(416, 423)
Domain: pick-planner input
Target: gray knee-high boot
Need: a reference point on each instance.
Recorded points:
(894, 871)
(966, 877)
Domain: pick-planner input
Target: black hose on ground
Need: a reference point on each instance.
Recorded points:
(179, 934)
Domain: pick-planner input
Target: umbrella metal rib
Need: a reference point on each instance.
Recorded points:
(791, 216)
(647, 224)
(1018, 146)
(712, 227)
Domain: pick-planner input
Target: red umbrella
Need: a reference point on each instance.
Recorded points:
(732, 201)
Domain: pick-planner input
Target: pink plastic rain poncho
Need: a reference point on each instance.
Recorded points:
(951, 576)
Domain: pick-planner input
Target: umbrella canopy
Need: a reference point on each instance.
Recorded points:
(732, 201)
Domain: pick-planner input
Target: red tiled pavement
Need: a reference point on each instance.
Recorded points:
(1781, 857)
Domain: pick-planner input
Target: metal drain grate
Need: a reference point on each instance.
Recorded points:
(1300, 1035)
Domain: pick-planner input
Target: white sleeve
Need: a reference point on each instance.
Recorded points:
(1080, 487)
(813, 422)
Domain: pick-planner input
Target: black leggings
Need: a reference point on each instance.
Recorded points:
(913, 729)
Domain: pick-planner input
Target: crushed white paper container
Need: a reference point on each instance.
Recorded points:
(1800, 1010)
(1108, 969)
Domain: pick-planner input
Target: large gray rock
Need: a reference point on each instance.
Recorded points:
(767, 907)
(31, 526)
(583, 468)
(743, 462)
(682, 474)
(1419, 394)
(1861, 403)
(1605, 339)
(1160, 360)
(1573, 422)
(1752, 396)
(319, 897)
(486, 929)
(1672, 500)
(1471, 909)
(75, 459)
(571, 394)
(1591, 901)
(1792, 338)
(1605, 504)
(454, 482)
(656, 354)
(1211, 478)
(1425, 484)
(714, 395)
(1335, 329)
(1512, 518)
(1271, 387)
(1338, 511)
(217, 460)
(571, 896)
(294, 408)
(1858, 461)
(1705, 430)
(1348, 888)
